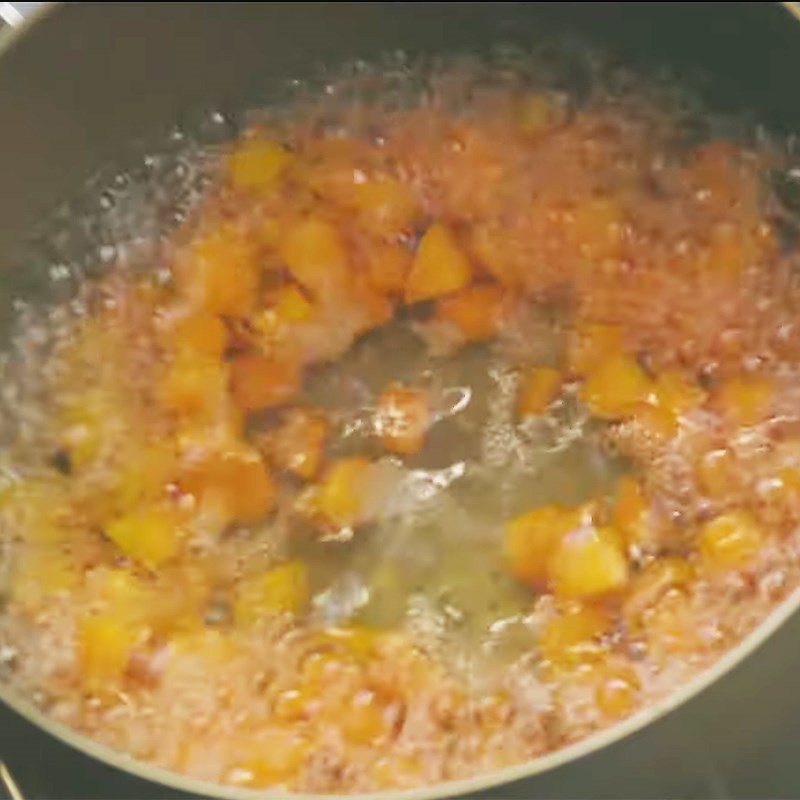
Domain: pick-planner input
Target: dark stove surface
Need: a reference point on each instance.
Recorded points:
(739, 739)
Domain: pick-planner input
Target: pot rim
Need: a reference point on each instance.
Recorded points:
(452, 788)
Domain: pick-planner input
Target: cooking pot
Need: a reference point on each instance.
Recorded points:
(87, 85)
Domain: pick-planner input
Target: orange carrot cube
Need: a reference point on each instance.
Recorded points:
(233, 479)
(194, 387)
(402, 419)
(256, 164)
(731, 540)
(615, 386)
(439, 267)
(297, 445)
(573, 637)
(745, 400)
(199, 334)
(531, 537)
(104, 645)
(387, 266)
(475, 311)
(283, 589)
(343, 491)
(260, 382)
(315, 255)
(590, 344)
(219, 273)
(588, 562)
(384, 208)
(150, 536)
(539, 387)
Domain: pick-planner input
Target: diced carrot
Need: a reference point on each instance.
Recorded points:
(651, 582)
(151, 536)
(283, 589)
(656, 421)
(270, 757)
(289, 303)
(631, 511)
(387, 266)
(745, 400)
(785, 486)
(573, 637)
(105, 645)
(539, 387)
(475, 311)
(219, 272)
(670, 626)
(591, 343)
(234, 478)
(617, 689)
(194, 387)
(676, 392)
(439, 267)
(315, 255)
(731, 540)
(615, 386)
(297, 445)
(403, 418)
(384, 208)
(199, 334)
(256, 164)
(396, 771)
(530, 539)
(588, 561)
(260, 382)
(343, 491)
(364, 721)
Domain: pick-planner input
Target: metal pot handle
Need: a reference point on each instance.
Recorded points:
(8, 786)
(13, 13)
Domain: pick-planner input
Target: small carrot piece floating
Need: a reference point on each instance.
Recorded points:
(539, 387)
(342, 493)
(297, 445)
(402, 419)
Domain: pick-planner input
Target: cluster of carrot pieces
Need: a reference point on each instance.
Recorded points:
(192, 425)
